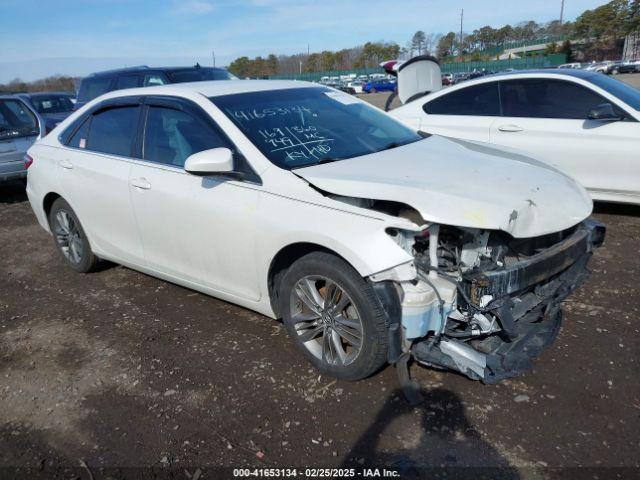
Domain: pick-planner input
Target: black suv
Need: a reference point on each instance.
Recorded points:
(96, 84)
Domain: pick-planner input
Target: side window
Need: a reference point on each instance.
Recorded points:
(152, 79)
(482, 100)
(172, 135)
(113, 131)
(79, 138)
(128, 81)
(544, 98)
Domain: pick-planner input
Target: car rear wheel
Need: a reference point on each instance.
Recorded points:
(70, 239)
(332, 315)
(373, 90)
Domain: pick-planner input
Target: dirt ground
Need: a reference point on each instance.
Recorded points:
(101, 374)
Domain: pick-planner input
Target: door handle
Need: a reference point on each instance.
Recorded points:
(141, 183)
(66, 164)
(510, 128)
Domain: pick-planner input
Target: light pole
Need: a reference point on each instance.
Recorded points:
(561, 12)
(213, 56)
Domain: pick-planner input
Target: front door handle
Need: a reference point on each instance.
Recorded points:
(66, 164)
(141, 183)
(510, 128)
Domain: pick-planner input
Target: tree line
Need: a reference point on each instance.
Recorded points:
(603, 27)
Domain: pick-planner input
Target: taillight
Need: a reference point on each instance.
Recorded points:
(28, 160)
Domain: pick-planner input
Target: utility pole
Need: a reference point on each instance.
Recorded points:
(561, 12)
(461, 38)
(213, 56)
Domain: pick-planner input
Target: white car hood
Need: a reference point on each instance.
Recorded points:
(461, 183)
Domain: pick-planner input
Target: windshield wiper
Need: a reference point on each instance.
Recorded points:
(328, 160)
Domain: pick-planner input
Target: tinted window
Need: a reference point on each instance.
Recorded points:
(172, 135)
(299, 127)
(52, 103)
(79, 139)
(93, 87)
(128, 81)
(113, 131)
(480, 99)
(198, 74)
(543, 98)
(624, 91)
(16, 120)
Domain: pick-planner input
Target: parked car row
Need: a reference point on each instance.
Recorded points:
(608, 67)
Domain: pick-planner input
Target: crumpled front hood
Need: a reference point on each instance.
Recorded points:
(461, 183)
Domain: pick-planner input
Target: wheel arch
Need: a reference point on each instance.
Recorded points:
(286, 257)
(47, 202)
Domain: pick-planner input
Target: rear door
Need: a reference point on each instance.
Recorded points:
(94, 173)
(463, 113)
(548, 117)
(18, 130)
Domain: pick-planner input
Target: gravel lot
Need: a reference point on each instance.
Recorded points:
(119, 369)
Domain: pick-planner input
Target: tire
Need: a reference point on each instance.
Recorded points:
(373, 90)
(615, 71)
(345, 338)
(70, 239)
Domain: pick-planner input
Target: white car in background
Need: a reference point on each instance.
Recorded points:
(372, 242)
(585, 123)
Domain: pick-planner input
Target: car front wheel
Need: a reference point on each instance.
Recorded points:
(70, 238)
(333, 317)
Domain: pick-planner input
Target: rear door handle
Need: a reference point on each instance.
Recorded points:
(510, 128)
(66, 164)
(141, 183)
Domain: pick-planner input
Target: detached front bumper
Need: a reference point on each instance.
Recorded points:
(525, 298)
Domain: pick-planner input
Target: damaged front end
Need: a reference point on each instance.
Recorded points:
(484, 303)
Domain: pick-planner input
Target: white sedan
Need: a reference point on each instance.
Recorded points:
(371, 241)
(584, 123)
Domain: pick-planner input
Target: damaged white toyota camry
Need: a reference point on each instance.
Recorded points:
(373, 242)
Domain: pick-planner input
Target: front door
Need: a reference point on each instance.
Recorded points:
(194, 228)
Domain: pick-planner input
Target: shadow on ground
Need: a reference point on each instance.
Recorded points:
(446, 442)
(12, 192)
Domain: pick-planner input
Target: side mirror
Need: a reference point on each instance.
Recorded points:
(207, 162)
(604, 112)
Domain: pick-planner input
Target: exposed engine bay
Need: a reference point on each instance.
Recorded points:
(484, 303)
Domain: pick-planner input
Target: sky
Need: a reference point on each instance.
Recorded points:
(39, 38)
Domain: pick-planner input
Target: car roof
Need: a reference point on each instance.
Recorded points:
(45, 94)
(548, 71)
(144, 68)
(213, 88)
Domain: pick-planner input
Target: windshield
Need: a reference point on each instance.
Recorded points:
(16, 120)
(624, 91)
(199, 74)
(52, 104)
(305, 126)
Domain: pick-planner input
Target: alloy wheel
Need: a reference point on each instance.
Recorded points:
(326, 320)
(68, 236)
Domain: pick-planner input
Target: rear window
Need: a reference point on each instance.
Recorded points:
(93, 87)
(198, 75)
(16, 120)
(52, 104)
(482, 100)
